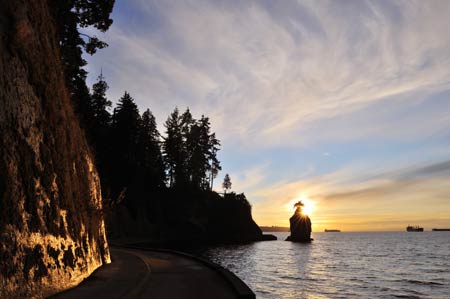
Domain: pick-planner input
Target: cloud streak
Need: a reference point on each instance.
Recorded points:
(364, 82)
(411, 194)
(283, 67)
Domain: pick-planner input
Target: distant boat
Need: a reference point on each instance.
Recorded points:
(441, 229)
(416, 228)
(332, 231)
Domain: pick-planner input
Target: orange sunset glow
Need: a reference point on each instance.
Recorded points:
(202, 149)
(362, 135)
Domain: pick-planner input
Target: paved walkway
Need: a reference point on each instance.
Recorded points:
(148, 274)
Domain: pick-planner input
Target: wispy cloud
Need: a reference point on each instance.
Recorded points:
(339, 75)
(264, 72)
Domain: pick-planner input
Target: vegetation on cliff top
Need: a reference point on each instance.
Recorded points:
(166, 174)
(135, 162)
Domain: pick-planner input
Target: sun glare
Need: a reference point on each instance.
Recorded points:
(308, 205)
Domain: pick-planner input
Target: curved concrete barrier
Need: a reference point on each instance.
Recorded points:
(241, 289)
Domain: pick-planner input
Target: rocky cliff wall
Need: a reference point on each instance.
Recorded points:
(51, 228)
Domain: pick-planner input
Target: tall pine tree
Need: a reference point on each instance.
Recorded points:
(174, 149)
(196, 158)
(100, 104)
(150, 159)
(124, 134)
(202, 148)
(70, 16)
(99, 135)
(226, 185)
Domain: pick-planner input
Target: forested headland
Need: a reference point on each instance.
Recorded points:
(59, 140)
(156, 185)
(159, 185)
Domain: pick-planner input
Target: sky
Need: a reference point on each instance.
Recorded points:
(344, 104)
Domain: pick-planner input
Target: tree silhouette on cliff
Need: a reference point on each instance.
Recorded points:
(71, 16)
(174, 153)
(201, 147)
(151, 171)
(99, 134)
(166, 174)
(226, 185)
(190, 151)
(124, 136)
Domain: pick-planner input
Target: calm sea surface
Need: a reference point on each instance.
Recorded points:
(344, 265)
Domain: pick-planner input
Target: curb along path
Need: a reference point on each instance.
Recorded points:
(146, 273)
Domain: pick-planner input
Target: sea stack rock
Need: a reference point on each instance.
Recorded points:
(300, 225)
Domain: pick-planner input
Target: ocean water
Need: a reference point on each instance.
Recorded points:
(344, 265)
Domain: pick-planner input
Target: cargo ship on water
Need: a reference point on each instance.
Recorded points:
(332, 231)
(441, 229)
(416, 228)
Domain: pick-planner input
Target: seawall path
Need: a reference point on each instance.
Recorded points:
(136, 273)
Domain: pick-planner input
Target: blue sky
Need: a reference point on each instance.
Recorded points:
(318, 99)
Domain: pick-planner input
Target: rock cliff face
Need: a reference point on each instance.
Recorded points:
(51, 228)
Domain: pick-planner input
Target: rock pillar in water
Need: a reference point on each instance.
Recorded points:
(300, 226)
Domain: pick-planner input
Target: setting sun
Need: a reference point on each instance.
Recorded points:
(308, 205)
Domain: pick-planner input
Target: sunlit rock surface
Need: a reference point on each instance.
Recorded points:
(52, 234)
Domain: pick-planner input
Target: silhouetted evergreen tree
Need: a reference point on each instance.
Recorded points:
(100, 103)
(150, 159)
(99, 135)
(215, 163)
(211, 146)
(70, 16)
(124, 136)
(185, 173)
(186, 122)
(190, 151)
(174, 152)
(226, 183)
(196, 158)
(202, 147)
